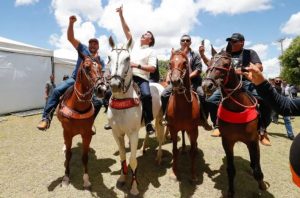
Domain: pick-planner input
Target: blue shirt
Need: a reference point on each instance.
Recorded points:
(85, 51)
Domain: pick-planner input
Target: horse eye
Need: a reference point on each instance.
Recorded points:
(127, 59)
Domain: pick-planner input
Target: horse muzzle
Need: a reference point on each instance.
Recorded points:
(208, 86)
(116, 85)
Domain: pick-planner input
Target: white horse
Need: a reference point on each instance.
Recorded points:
(125, 110)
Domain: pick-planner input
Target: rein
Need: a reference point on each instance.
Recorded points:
(229, 92)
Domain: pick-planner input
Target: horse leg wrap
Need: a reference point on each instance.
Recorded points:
(134, 177)
(124, 167)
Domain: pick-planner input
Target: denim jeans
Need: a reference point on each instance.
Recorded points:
(264, 110)
(145, 97)
(288, 126)
(53, 100)
(168, 91)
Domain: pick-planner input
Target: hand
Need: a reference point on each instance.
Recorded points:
(120, 10)
(201, 49)
(254, 74)
(72, 19)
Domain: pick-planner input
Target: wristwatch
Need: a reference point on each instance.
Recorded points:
(139, 66)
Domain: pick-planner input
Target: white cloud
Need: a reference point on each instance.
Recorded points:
(271, 67)
(292, 26)
(261, 50)
(234, 6)
(25, 2)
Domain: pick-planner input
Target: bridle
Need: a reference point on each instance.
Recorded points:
(122, 79)
(228, 92)
(181, 89)
(91, 82)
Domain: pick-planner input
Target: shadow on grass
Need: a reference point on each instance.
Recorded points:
(278, 135)
(244, 184)
(95, 166)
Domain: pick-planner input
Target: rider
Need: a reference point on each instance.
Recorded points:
(195, 68)
(244, 57)
(283, 105)
(92, 51)
(143, 62)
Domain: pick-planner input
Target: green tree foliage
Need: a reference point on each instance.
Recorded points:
(163, 66)
(289, 62)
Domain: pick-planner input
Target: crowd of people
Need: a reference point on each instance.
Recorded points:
(278, 96)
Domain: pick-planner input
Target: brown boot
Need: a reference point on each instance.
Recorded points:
(264, 140)
(43, 125)
(216, 133)
(205, 125)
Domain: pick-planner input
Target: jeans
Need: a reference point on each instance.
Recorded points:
(168, 91)
(53, 100)
(288, 126)
(264, 110)
(145, 97)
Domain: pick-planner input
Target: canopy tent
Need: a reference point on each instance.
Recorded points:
(24, 71)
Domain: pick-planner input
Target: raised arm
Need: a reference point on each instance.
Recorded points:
(202, 55)
(70, 32)
(125, 27)
(282, 105)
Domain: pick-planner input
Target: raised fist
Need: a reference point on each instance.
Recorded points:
(73, 19)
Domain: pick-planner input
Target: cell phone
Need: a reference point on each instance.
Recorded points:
(202, 42)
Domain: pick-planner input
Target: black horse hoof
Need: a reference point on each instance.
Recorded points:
(120, 184)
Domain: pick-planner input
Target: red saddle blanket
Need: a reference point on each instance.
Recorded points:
(245, 116)
(124, 103)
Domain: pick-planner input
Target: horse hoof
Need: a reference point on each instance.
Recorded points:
(134, 192)
(263, 185)
(120, 184)
(173, 177)
(65, 181)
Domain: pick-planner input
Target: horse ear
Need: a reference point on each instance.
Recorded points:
(172, 51)
(213, 51)
(228, 48)
(111, 42)
(129, 43)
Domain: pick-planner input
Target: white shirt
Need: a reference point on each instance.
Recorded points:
(142, 55)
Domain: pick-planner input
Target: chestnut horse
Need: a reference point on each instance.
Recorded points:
(183, 110)
(237, 115)
(76, 114)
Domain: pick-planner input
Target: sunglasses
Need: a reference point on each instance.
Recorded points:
(185, 40)
(234, 41)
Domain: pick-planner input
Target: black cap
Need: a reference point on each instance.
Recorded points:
(94, 40)
(236, 36)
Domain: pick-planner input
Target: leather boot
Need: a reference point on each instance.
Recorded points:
(43, 125)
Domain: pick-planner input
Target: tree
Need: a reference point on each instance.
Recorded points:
(289, 62)
(163, 66)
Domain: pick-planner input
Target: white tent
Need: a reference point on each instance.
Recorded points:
(24, 71)
(63, 67)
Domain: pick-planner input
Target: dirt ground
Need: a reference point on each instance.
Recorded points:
(31, 164)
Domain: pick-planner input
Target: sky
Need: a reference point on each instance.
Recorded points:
(43, 23)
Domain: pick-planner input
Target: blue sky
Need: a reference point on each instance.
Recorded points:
(43, 23)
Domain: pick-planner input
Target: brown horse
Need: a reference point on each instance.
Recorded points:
(237, 115)
(183, 111)
(76, 114)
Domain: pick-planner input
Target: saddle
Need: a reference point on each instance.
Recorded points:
(67, 112)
